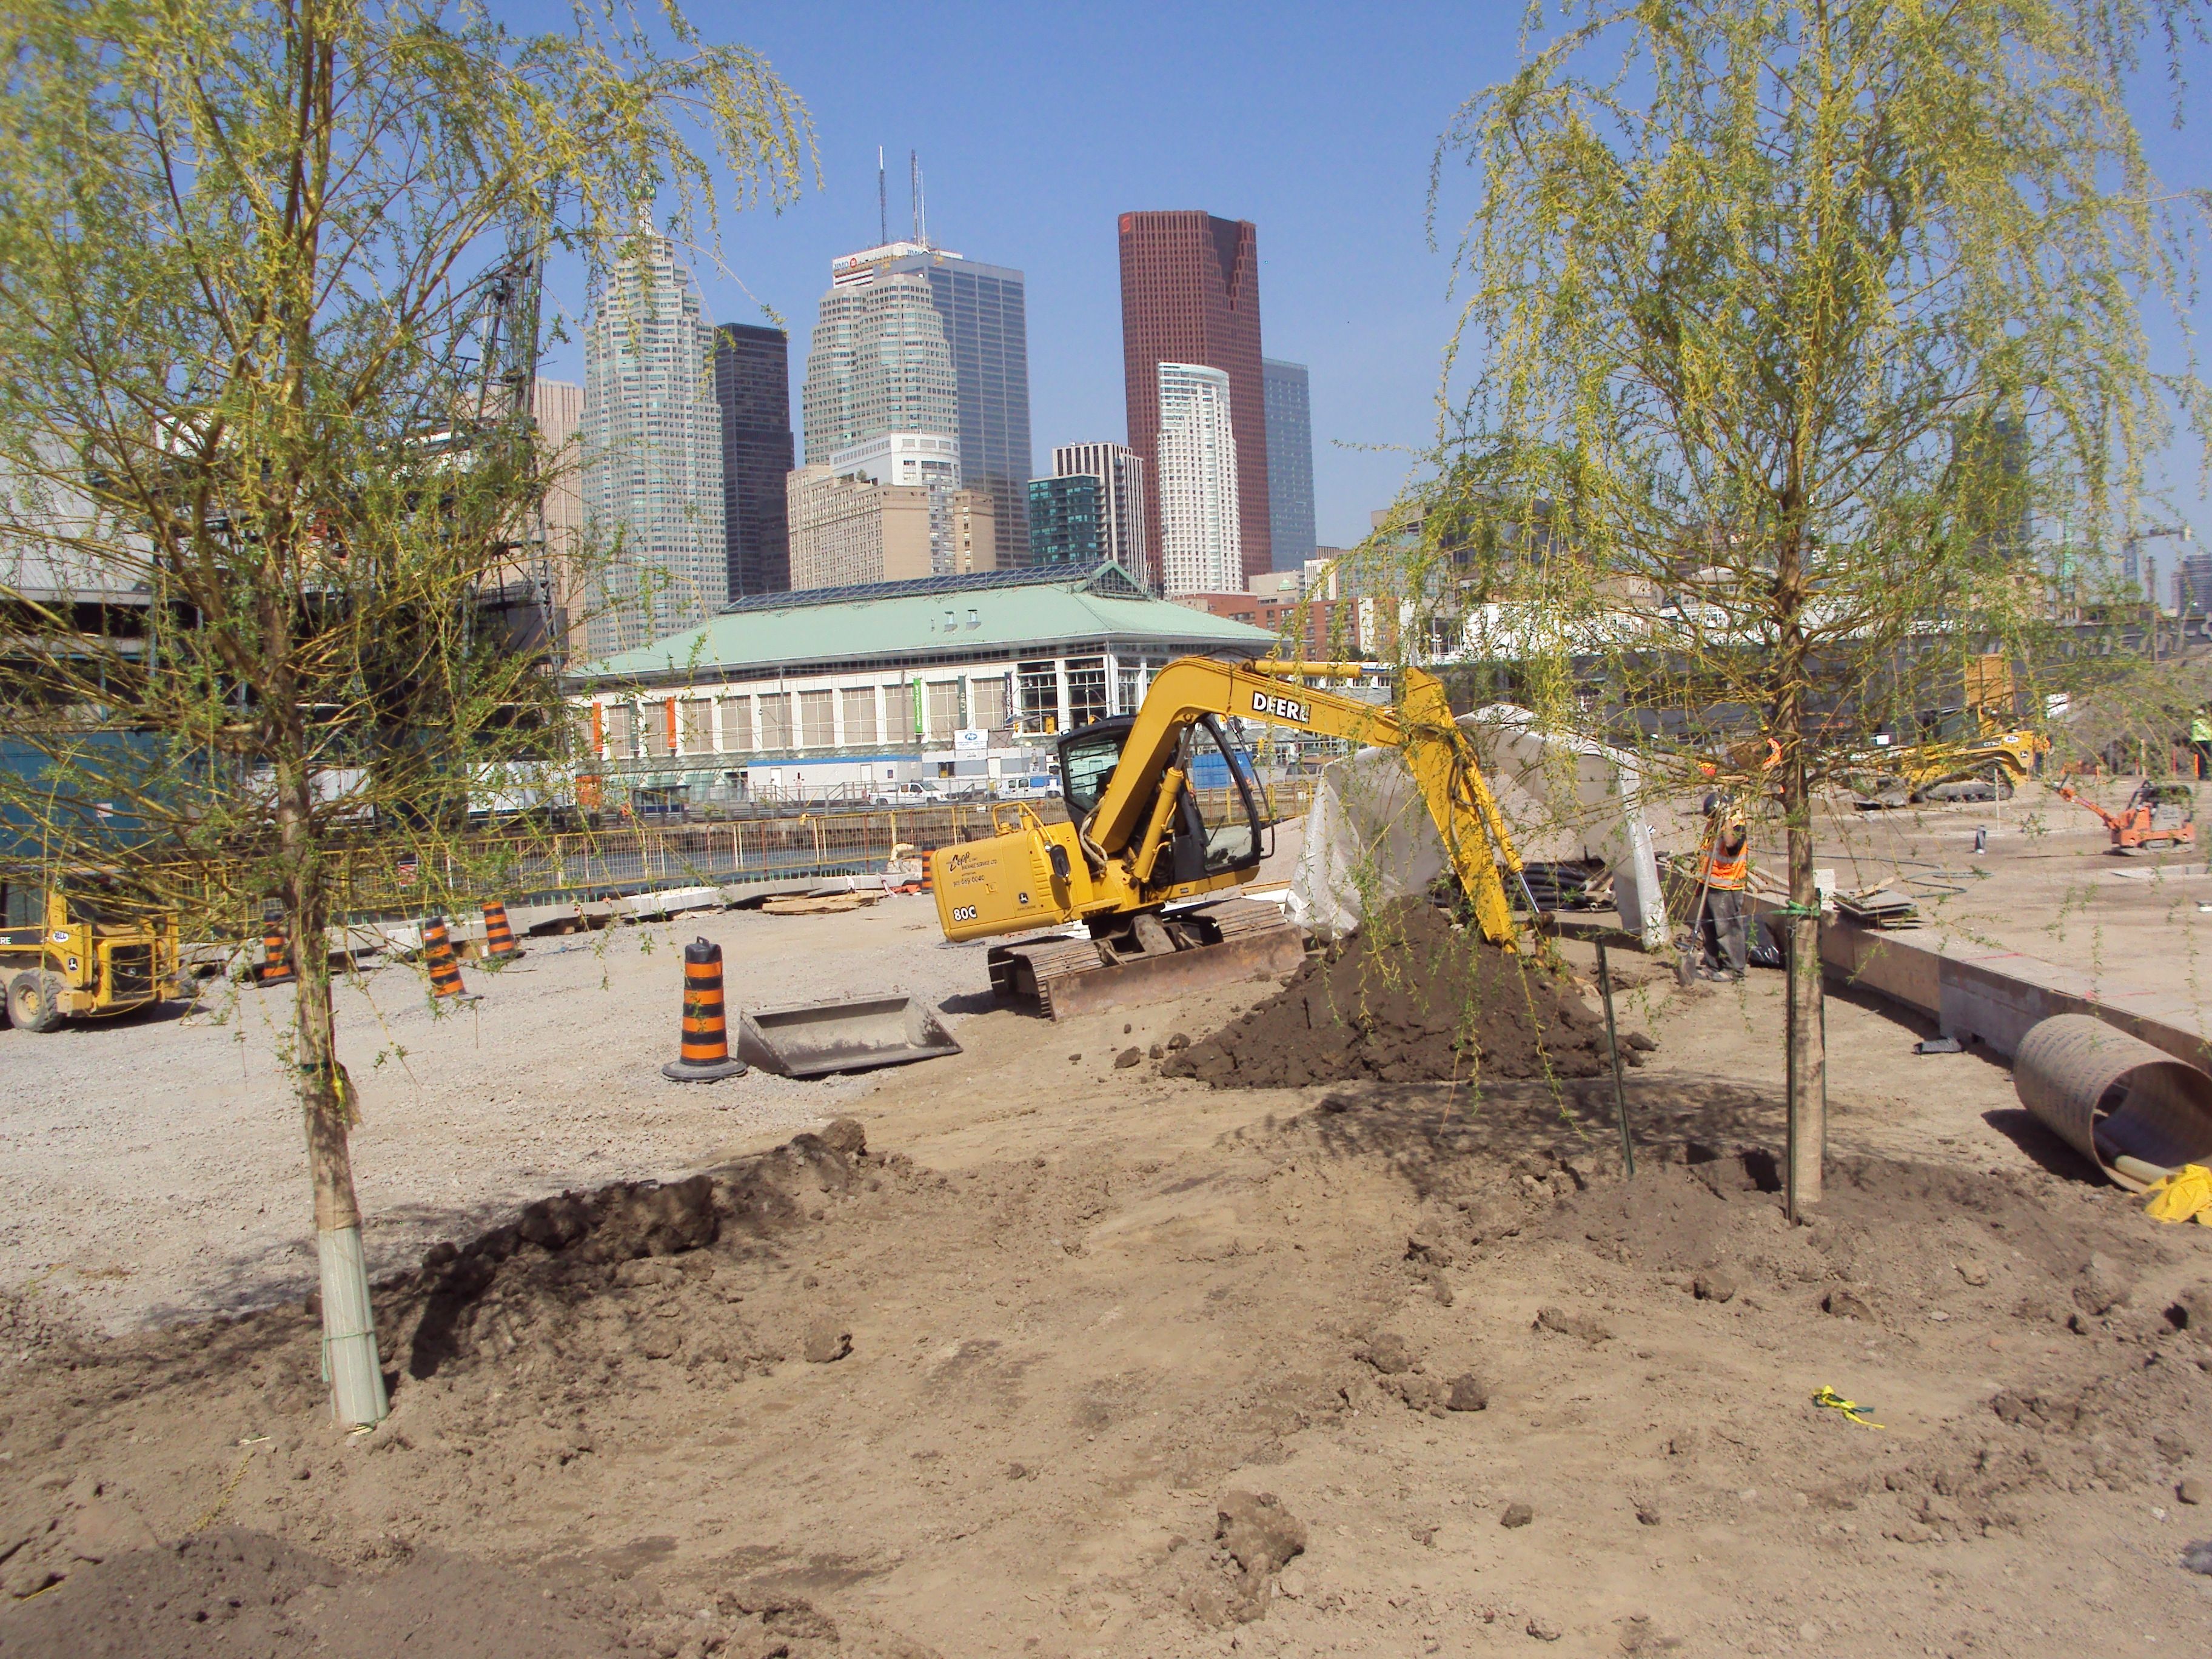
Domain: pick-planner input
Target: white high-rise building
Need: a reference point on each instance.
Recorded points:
(1201, 550)
(985, 313)
(1121, 474)
(879, 363)
(653, 454)
(924, 460)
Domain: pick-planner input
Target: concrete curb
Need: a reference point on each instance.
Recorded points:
(1996, 997)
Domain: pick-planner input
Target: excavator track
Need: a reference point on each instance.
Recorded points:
(1063, 977)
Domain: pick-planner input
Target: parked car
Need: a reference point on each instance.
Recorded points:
(914, 791)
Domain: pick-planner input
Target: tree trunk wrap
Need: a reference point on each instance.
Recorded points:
(351, 1363)
(1808, 1059)
(1808, 1064)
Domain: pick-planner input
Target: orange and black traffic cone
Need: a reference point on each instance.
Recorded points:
(275, 965)
(498, 938)
(703, 1054)
(928, 872)
(438, 953)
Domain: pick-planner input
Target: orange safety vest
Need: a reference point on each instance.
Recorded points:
(1727, 871)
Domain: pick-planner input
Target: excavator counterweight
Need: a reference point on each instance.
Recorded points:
(1148, 868)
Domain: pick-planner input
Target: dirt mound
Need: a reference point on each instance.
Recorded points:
(535, 1276)
(242, 1593)
(235, 1592)
(1410, 998)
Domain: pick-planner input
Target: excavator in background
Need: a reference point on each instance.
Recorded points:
(1959, 752)
(1998, 759)
(1146, 866)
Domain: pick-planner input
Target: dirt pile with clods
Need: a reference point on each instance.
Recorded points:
(245, 1595)
(629, 1287)
(1412, 997)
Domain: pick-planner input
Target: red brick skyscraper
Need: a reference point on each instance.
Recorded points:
(1190, 293)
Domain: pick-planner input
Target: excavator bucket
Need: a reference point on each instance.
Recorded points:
(860, 1034)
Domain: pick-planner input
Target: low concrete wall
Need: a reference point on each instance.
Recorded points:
(1993, 997)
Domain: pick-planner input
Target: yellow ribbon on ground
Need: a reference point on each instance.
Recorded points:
(1827, 1396)
(2184, 1195)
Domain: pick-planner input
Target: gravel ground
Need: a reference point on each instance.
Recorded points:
(153, 1166)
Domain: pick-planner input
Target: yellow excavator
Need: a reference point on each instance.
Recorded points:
(1143, 855)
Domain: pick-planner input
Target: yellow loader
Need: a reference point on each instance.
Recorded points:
(71, 949)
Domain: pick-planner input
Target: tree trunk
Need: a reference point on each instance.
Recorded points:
(1806, 1040)
(1807, 1026)
(351, 1363)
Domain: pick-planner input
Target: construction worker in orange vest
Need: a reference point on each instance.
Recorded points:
(1724, 865)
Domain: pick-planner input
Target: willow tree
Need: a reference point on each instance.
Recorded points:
(1789, 324)
(256, 391)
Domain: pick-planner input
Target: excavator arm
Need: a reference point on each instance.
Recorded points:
(1130, 816)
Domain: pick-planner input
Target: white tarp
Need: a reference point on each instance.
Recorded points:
(1369, 838)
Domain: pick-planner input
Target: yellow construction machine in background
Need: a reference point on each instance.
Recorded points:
(1960, 751)
(1140, 861)
(1997, 759)
(73, 947)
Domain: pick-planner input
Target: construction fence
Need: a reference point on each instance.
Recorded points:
(389, 881)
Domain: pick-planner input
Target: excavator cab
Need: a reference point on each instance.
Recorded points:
(1204, 839)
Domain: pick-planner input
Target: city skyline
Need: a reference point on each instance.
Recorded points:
(1325, 139)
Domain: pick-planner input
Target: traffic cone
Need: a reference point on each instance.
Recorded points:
(438, 953)
(928, 872)
(703, 1052)
(275, 965)
(498, 938)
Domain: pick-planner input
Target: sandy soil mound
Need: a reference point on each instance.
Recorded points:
(244, 1594)
(1410, 998)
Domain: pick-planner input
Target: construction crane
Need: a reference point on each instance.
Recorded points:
(489, 384)
(1140, 860)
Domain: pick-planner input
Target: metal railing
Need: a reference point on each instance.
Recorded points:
(389, 881)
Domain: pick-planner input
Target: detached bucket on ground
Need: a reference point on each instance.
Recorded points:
(2132, 1109)
(817, 1039)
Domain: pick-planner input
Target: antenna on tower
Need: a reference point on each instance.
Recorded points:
(882, 203)
(920, 204)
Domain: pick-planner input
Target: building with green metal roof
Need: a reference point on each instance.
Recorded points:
(949, 683)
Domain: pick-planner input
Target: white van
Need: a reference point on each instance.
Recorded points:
(914, 791)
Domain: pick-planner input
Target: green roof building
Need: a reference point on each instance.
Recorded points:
(952, 682)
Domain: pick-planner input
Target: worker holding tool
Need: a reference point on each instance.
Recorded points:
(1725, 869)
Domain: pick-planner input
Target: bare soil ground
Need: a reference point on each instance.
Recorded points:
(151, 1168)
(1043, 1354)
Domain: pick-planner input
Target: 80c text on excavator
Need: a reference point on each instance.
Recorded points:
(1145, 867)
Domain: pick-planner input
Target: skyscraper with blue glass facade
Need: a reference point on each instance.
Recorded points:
(1067, 521)
(1290, 462)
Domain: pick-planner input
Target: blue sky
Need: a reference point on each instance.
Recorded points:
(1038, 126)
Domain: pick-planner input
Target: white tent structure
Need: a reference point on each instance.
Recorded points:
(1369, 838)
